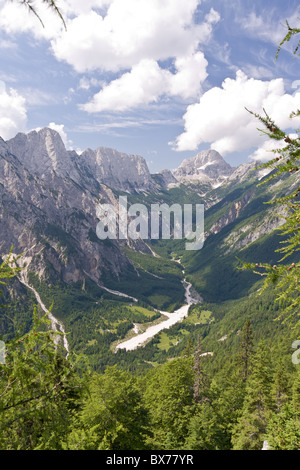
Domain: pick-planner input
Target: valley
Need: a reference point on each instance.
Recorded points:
(161, 335)
(149, 301)
(102, 292)
(172, 318)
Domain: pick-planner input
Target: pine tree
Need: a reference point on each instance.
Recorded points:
(296, 392)
(285, 275)
(201, 383)
(251, 427)
(39, 390)
(283, 432)
(113, 416)
(280, 386)
(245, 351)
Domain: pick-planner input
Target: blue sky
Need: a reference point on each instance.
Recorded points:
(160, 78)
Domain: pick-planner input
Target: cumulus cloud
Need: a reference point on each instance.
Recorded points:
(191, 73)
(13, 117)
(266, 151)
(221, 119)
(140, 86)
(129, 38)
(16, 18)
(131, 31)
(147, 82)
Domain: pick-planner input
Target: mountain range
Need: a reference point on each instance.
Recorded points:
(48, 215)
(48, 192)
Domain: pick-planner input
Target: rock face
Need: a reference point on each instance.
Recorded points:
(117, 170)
(206, 166)
(43, 153)
(167, 179)
(49, 198)
(50, 216)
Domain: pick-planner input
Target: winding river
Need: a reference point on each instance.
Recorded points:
(137, 340)
(56, 325)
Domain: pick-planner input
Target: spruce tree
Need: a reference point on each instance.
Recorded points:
(296, 392)
(248, 434)
(201, 383)
(245, 351)
(280, 386)
(285, 276)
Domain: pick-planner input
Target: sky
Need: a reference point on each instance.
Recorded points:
(163, 79)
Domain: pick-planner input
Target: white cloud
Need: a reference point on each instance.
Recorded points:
(262, 25)
(191, 72)
(140, 86)
(17, 18)
(131, 31)
(147, 82)
(220, 117)
(78, 7)
(129, 37)
(86, 83)
(13, 117)
(266, 151)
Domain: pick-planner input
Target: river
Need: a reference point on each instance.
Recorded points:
(137, 340)
(172, 319)
(56, 325)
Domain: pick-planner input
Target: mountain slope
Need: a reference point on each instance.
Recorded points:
(48, 212)
(207, 165)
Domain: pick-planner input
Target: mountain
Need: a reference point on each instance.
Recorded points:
(166, 179)
(43, 153)
(48, 216)
(117, 170)
(48, 207)
(207, 166)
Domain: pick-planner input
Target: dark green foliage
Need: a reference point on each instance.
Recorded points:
(39, 391)
(113, 416)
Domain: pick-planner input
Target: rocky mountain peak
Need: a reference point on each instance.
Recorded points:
(42, 152)
(205, 166)
(116, 169)
(3, 146)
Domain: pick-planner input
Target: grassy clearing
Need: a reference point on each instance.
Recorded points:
(198, 316)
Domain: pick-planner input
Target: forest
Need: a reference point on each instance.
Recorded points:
(243, 397)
